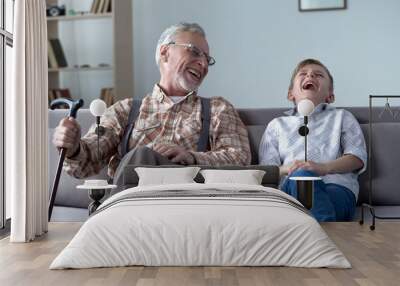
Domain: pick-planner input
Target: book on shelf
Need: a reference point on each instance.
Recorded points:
(59, 52)
(100, 6)
(107, 6)
(56, 54)
(107, 95)
(95, 5)
(51, 56)
(55, 93)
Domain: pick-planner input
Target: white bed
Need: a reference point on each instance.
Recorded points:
(201, 224)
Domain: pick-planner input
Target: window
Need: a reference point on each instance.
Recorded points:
(6, 44)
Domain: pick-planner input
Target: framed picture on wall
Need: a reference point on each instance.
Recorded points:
(318, 5)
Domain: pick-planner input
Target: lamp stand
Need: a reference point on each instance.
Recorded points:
(305, 137)
(98, 136)
(303, 131)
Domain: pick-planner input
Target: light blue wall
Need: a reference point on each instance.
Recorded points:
(257, 43)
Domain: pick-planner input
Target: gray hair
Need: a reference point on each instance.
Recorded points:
(169, 35)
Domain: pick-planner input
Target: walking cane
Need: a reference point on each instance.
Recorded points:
(73, 109)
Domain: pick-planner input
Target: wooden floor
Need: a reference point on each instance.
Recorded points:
(374, 255)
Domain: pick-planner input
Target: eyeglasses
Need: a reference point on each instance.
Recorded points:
(195, 52)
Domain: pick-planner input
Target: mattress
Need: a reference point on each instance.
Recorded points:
(201, 225)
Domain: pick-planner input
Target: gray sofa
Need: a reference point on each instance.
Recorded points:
(71, 203)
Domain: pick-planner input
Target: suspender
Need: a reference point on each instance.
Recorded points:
(133, 114)
(205, 117)
(204, 133)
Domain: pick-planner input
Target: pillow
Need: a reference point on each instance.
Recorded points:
(163, 176)
(270, 179)
(248, 177)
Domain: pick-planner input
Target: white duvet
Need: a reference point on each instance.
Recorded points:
(209, 229)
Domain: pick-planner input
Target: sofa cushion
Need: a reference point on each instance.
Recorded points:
(255, 134)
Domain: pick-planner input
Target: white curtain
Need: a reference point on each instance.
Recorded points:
(26, 123)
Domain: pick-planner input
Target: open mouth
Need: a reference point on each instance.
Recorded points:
(194, 73)
(308, 85)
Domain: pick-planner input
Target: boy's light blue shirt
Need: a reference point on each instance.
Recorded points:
(333, 133)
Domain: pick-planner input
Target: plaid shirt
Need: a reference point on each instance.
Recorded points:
(161, 121)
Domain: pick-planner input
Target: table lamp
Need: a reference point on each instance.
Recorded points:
(305, 185)
(304, 108)
(97, 109)
(96, 188)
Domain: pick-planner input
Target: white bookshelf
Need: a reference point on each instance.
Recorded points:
(86, 39)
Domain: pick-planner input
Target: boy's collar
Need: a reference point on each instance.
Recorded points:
(319, 108)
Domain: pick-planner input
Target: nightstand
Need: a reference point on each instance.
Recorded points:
(96, 191)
